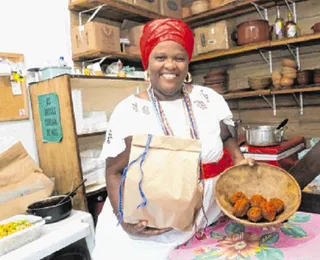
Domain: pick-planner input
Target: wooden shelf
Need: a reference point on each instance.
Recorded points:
(258, 46)
(247, 94)
(239, 7)
(106, 77)
(92, 134)
(266, 92)
(94, 55)
(115, 10)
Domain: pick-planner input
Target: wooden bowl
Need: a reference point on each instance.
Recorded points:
(288, 70)
(286, 82)
(260, 82)
(267, 180)
(289, 63)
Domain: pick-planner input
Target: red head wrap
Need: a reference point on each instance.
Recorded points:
(161, 30)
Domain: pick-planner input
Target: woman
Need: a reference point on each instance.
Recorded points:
(166, 49)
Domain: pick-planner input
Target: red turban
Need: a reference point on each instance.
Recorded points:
(161, 30)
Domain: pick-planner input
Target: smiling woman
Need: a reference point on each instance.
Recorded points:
(169, 107)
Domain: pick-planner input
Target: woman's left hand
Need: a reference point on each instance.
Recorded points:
(249, 161)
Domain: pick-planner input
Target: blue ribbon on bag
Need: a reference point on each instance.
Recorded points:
(124, 175)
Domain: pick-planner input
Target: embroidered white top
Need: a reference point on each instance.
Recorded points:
(136, 116)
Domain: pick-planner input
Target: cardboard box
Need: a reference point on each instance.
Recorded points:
(134, 50)
(127, 1)
(151, 5)
(171, 8)
(132, 34)
(216, 36)
(95, 37)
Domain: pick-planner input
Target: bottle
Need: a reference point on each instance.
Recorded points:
(279, 26)
(62, 62)
(291, 27)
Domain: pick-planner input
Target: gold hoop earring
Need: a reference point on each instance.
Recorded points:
(146, 76)
(188, 78)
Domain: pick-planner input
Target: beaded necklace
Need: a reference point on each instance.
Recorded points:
(162, 119)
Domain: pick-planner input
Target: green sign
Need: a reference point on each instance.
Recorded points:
(50, 118)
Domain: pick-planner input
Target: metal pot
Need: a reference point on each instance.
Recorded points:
(49, 208)
(252, 32)
(264, 135)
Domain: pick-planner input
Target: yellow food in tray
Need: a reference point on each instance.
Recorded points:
(13, 226)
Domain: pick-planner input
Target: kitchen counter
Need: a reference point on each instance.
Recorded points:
(56, 236)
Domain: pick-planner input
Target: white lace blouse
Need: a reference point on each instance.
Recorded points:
(136, 116)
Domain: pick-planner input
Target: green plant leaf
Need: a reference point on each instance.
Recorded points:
(300, 218)
(268, 239)
(214, 253)
(293, 231)
(269, 253)
(234, 228)
(217, 235)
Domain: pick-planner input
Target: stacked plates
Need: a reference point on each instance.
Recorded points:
(217, 79)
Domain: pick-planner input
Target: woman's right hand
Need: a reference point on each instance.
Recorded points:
(141, 229)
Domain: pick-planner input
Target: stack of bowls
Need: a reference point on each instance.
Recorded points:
(276, 79)
(217, 79)
(305, 77)
(289, 73)
(260, 82)
(316, 76)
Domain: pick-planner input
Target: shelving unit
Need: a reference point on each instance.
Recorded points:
(268, 45)
(62, 160)
(114, 10)
(231, 10)
(274, 93)
(95, 55)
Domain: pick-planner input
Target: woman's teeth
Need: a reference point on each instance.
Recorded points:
(169, 76)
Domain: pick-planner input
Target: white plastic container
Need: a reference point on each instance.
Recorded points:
(20, 238)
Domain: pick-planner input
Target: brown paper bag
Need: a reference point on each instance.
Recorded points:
(22, 182)
(170, 182)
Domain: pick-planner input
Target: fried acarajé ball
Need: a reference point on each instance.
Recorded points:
(254, 214)
(278, 204)
(256, 200)
(236, 196)
(241, 207)
(268, 211)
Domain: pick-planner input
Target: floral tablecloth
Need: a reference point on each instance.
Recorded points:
(297, 239)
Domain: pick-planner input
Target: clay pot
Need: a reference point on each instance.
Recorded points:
(316, 28)
(252, 32)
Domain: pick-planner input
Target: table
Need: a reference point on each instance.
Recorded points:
(297, 239)
(56, 236)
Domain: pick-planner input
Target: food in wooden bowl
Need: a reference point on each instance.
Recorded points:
(257, 208)
(273, 184)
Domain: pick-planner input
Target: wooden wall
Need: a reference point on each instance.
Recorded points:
(255, 111)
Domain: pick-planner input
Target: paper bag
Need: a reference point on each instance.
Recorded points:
(163, 178)
(22, 182)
